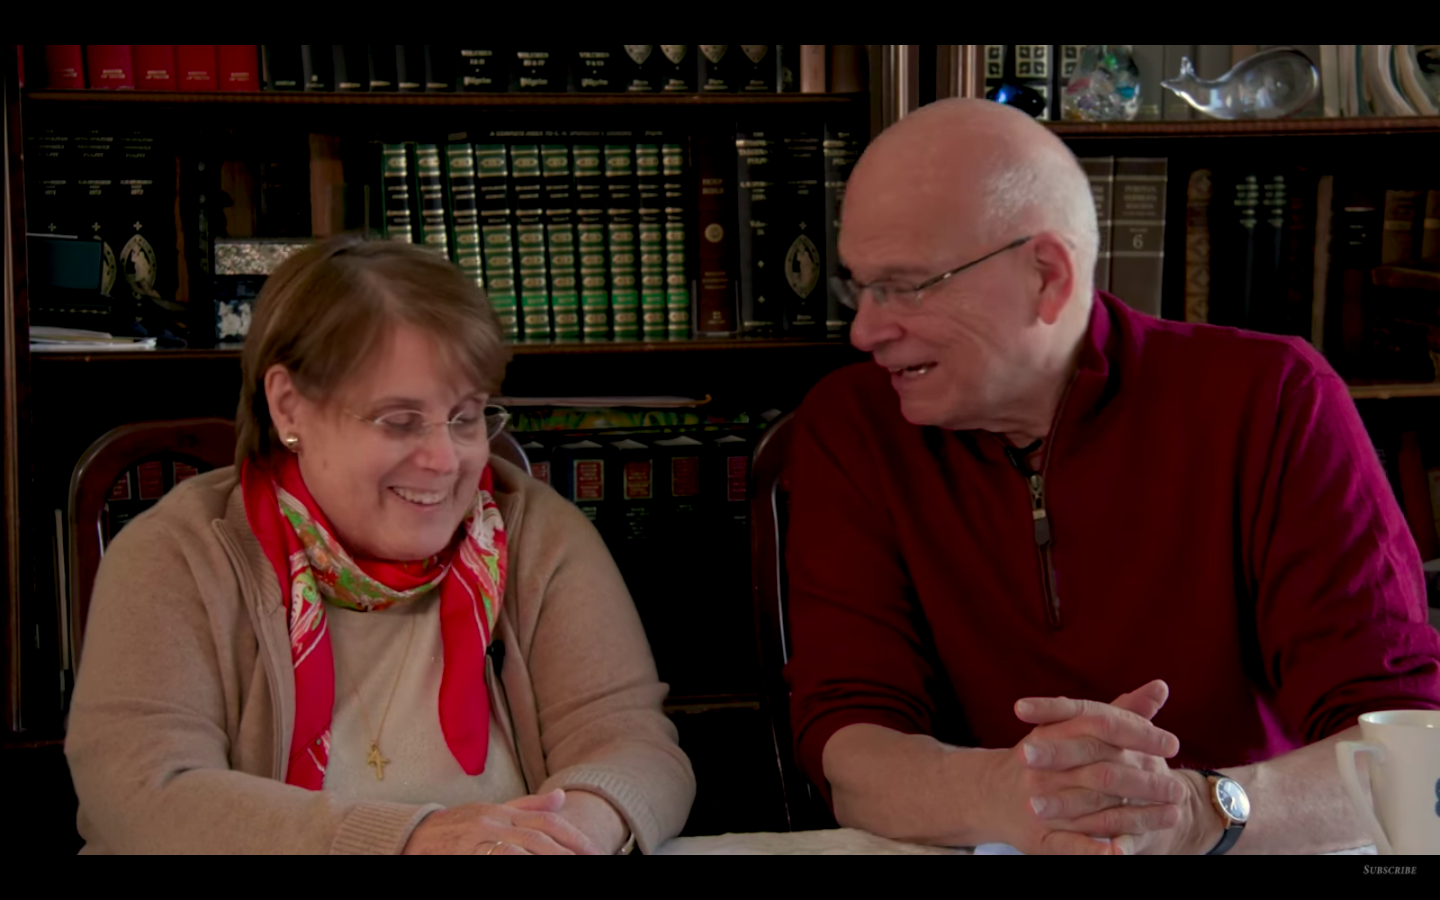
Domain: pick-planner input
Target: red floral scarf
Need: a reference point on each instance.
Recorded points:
(314, 569)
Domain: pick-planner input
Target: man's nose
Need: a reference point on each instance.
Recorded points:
(873, 326)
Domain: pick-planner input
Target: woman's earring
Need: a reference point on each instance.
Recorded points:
(292, 442)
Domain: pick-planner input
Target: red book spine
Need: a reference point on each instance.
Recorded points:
(195, 67)
(108, 66)
(64, 67)
(154, 66)
(239, 67)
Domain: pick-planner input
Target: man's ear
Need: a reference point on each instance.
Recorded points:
(1055, 266)
(283, 398)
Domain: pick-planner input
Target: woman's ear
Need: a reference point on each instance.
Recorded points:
(284, 400)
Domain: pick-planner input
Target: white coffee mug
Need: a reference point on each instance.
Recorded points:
(1404, 748)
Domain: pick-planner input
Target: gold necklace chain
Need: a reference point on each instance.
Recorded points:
(375, 759)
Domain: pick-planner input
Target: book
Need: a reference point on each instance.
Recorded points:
(1198, 194)
(1320, 268)
(1267, 280)
(798, 225)
(715, 301)
(410, 68)
(154, 66)
(841, 150)
(1402, 213)
(621, 236)
(788, 61)
(196, 67)
(317, 67)
(1358, 220)
(588, 161)
(677, 68)
(441, 68)
(637, 522)
(430, 178)
(1233, 218)
(395, 183)
(483, 69)
(351, 67)
(492, 187)
(755, 183)
(1297, 268)
(847, 74)
(650, 237)
(538, 69)
(95, 154)
(238, 67)
(599, 68)
(639, 68)
(580, 478)
(719, 71)
(108, 66)
(762, 73)
(532, 274)
(283, 68)
(1137, 240)
(146, 259)
(1100, 170)
(64, 67)
(675, 185)
(383, 74)
(564, 283)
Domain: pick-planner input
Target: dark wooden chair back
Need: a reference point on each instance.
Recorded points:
(769, 519)
(132, 465)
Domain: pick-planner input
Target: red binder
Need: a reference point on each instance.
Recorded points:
(195, 67)
(64, 67)
(239, 67)
(154, 66)
(108, 66)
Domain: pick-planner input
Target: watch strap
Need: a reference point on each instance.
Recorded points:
(1233, 828)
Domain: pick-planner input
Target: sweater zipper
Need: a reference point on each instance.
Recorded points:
(1042, 545)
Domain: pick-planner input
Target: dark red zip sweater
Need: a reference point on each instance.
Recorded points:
(1217, 517)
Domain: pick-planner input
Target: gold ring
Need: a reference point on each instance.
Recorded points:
(494, 845)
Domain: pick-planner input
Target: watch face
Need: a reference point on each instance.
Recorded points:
(1231, 797)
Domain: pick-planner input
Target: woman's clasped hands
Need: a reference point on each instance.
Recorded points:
(529, 825)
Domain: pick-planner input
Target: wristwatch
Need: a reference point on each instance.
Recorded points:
(1233, 804)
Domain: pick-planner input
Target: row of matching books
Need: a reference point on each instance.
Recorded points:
(634, 235)
(433, 68)
(1129, 198)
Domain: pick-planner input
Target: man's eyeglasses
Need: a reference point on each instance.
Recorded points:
(465, 427)
(848, 290)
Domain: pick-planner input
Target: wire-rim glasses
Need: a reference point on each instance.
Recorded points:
(465, 427)
(848, 290)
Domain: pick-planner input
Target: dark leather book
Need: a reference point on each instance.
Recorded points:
(599, 68)
(715, 235)
(650, 236)
(410, 68)
(497, 234)
(640, 68)
(1270, 311)
(539, 68)
(678, 68)
(1137, 237)
(841, 149)
(757, 180)
(532, 273)
(434, 208)
(441, 70)
(675, 176)
(720, 69)
(283, 68)
(1234, 216)
(395, 182)
(317, 66)
(760, 68)
(799, 234)
(382, 67)
(1100, 170)
(147, 266)
(588, 161)
(621, 235)
(787, 61)
(483, 69)
(564, 276)
(351, 67)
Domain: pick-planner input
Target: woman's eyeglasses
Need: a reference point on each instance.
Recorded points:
(465, 428)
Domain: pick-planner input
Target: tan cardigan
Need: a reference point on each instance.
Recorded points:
(184, 705)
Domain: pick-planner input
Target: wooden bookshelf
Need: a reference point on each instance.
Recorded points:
(230, 100)
(1372, 125)
(1366, 390)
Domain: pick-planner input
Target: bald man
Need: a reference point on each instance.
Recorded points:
(1035, 493)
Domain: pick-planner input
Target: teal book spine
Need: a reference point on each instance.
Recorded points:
(560, 240)
(434, 231)
(620, 233)
(531, 270)
(674, 172)
(590, 243)
(464, 213)
(395, 178)
(497, 235)
(650, 239)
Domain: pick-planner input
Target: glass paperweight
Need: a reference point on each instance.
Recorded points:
(1270, 84)
(1105, 86)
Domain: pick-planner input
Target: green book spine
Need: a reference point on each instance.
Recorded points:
(650, 238)
(464, 213)
(590, 236)
(492, 185)
(395, 176)
(535, 324)
(434, 231)
(560, 241)
(620, 232)
(677, 255)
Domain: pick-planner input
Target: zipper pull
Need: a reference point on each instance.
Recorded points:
(1037, 510)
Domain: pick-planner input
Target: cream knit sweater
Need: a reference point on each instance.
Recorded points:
(184, 705)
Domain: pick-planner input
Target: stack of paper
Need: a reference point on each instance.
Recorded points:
(47, 339)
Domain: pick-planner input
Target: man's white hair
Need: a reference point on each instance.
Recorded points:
(1042, 191)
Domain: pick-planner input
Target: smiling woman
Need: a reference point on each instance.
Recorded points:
(302, 652)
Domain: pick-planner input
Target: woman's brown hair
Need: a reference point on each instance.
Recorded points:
(324, 310)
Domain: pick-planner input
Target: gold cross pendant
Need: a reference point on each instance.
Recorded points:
(373, 758)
